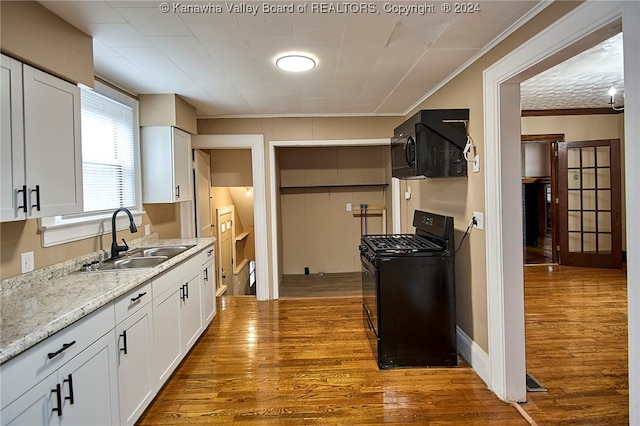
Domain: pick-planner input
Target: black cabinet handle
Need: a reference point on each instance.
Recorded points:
(23, 207)
(124, 341)
(183, 297)
(186, 291)
(69, 380)
(209, 252)
(62, 349)
(178, 191)
(37, 191)
(138, 297)
(58, 393)
(206, 274)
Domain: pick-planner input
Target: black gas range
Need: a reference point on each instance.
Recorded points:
(408, 287)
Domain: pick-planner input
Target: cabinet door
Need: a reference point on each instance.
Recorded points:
(208, 281)
(166, 335)
(52, 144)
(182, 165)
(135, 375)
(190, 312)
(90, 387)
(36, 407)
(12, 175)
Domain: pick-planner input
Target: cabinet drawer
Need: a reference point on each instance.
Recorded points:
(174, 275)
(131, 302)
(24, 371)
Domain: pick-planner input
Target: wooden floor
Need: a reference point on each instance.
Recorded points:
(304, 361)
(576, 341)
(322, 285)
(540, 253)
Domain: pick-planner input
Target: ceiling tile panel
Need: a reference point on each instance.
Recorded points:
(119, 35)
(224, 34)
(380, 63)
(178, 46)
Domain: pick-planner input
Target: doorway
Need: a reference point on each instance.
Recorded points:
(504, 261)
(539, 189)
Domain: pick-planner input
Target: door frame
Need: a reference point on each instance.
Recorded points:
(552, 139)
(220, 211)
(589, 22)
(256, 144)
(273, 182)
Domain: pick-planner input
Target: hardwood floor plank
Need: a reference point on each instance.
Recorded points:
(576, 337)
(305, 362)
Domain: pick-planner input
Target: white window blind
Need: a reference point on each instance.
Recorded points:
(108, 153)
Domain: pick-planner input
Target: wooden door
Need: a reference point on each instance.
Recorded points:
(203, 193)
(589, 203)
(225, 232)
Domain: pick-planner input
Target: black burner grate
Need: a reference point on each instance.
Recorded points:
(403, 242)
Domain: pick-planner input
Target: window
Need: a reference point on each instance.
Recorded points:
(108, 153)
(110, 167)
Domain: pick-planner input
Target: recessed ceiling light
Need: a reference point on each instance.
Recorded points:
(295, 62)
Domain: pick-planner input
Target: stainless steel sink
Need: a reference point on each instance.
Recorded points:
(132, 263)
(144, 257)
(168, 251)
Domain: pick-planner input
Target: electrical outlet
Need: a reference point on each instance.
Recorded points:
(476, 164)
(147, 229)
(349, 207)
(479, 220)
(27, 262)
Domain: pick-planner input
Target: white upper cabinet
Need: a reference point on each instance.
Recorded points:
(41, 148)
(12, 176)
(166, 165)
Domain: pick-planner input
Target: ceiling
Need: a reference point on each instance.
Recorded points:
(579, 82)
(369, 62)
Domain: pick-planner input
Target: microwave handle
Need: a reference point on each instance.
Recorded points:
(410, 141)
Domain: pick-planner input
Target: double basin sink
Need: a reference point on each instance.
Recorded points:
(145, 257)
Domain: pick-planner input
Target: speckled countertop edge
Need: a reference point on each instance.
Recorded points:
(36, 305)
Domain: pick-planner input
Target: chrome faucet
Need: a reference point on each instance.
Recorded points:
(115, 248)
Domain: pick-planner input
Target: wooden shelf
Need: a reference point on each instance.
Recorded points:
(242, 236)
(381, 185)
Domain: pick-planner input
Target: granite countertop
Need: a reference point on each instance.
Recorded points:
(35, 305)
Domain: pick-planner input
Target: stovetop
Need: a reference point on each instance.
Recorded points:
(401, 242)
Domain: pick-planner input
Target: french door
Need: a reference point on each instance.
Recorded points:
(589, 203)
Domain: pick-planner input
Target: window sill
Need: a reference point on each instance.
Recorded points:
(55, 230)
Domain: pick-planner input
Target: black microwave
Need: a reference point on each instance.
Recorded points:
(430, 144)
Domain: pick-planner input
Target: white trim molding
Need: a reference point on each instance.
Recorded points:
(631, 40)
(473, 354)
(588, 24)
(256, 144)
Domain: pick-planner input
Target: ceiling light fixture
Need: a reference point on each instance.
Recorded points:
(295, 62)
(612, 94)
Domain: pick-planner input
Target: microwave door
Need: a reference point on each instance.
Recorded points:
(403, 157)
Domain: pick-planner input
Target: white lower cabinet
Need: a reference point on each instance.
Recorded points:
(106, 368)
(191, 311)
(166, 331)
(208, 282)
(134, 336)
(81, 392)
(177, 316)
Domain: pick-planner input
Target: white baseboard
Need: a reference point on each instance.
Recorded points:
(474, 355)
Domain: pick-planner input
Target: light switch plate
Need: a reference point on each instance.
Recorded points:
(349, 207)
(27, 262)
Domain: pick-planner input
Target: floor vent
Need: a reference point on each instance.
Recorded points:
(533, 385)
